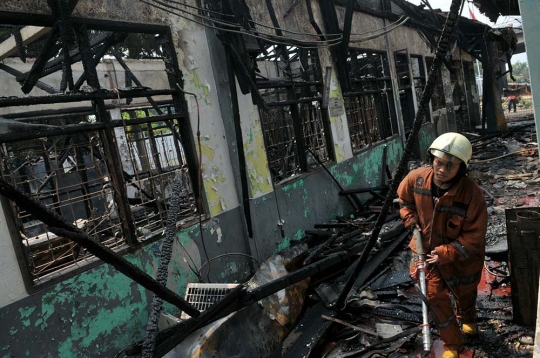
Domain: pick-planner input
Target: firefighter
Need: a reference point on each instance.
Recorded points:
(450, 211)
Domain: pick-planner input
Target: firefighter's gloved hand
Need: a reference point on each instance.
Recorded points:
(432, 258)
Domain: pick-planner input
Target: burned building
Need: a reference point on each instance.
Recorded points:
(256, 114)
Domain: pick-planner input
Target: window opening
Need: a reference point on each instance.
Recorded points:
(405, 89)
(368, 105)
(419, 80)
(437, 99)
(291, 84)
(104, 161)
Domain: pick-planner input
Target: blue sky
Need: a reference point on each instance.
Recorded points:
(501, 21)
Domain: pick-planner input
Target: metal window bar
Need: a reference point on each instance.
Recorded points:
(363, 113)
(313, 132)
(67, 174)
(300, 68)
(154, 157)
(280, 143)
(367, 107)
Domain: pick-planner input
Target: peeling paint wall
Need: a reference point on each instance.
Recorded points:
(339, 124)
(217, 171)
(93, 314)
(257, 169)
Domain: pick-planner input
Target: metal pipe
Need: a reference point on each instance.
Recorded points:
(421, 269)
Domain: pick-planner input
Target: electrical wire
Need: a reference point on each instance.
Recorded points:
(227, 254)
(382, 33)
(236, 24)
(271, 38)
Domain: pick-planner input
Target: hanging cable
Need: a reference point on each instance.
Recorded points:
(229, 254)
(382, 33)
(235, 24)
(276, 39)
(271, 38)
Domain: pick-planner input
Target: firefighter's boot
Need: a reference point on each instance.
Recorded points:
(470, 329)
(450, 354)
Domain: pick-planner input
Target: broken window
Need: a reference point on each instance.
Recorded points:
(438, 100)
(406, 100)
(419, 78)
(370, 101)
(296, 130)
(102, 155)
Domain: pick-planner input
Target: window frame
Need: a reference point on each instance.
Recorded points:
(176, 100)
(387, 127)
(298, 95)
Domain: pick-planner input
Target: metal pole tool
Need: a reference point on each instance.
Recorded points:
(421, 271)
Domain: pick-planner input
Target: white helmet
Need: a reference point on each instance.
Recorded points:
(454, 144)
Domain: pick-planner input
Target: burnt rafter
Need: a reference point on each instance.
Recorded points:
(50, 48)
(91, 56)
(16, 31)
(41, 85)
(61, 11)
(97, 42)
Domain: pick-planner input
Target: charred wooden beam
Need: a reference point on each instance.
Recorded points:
(60, 227)
(49, 49)
(73, 111)
(291, 8)
(63, 18)
(56, 64)
(240, 148)
(100, 51)
(361, 190)
(331, 23)
(41, 85)
(78, 128)
(313, 22)
(80, 97)
(347, 24)
(285, 83)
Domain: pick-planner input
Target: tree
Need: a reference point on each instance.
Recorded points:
(520, 70)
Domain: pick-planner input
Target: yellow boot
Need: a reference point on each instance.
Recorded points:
(450, 354)
(470, 329)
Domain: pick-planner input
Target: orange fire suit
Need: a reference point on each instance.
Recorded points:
(455, 226)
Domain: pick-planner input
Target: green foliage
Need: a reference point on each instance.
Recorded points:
(520, 70)
(525, 103)
(158, 127)
(138, 46)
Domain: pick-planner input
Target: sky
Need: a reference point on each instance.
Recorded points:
(502, 21)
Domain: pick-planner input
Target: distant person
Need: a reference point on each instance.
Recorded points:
(512, 100)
